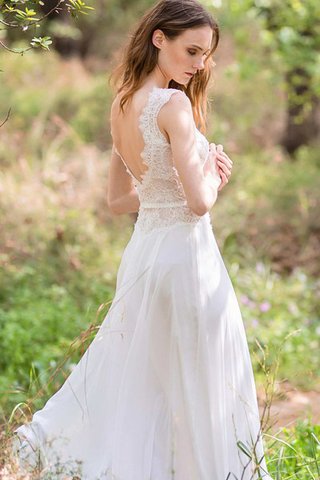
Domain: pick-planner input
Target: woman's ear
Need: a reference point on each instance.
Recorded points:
(158, 38)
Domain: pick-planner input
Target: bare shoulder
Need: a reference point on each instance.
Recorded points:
(115, 106)
(178, 101)
(115, 114)
(176, 112)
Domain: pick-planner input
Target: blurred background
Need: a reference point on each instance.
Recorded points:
(60, 247)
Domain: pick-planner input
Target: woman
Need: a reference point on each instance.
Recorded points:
(166, 389)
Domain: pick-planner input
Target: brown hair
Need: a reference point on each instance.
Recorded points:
(140, 55)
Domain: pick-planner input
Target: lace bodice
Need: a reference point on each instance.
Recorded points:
(162, 199)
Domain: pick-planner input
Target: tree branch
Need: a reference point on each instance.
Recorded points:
(17, 25)
(8, 115)
(14, 51)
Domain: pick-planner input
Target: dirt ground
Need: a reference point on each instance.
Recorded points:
(290, 404)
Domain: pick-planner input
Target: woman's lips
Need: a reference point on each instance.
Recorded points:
(190, 74)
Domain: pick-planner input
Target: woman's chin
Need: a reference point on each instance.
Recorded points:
(181, 81)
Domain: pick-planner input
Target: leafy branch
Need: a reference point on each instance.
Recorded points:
(23, 14)
(17, 15)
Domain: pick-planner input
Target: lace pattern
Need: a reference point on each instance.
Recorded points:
(151, 219)
(162, 198)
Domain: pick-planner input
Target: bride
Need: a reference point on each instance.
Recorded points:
(166, 389)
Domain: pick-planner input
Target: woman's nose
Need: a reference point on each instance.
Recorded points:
(199, 65)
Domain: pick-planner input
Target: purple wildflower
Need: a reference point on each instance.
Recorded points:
(264, 306)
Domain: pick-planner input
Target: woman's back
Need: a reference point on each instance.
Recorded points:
(162, 197)
(165, 168)
(126, 133)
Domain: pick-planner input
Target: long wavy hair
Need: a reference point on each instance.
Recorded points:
(140, 56)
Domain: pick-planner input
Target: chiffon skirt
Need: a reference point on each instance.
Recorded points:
(166, 389)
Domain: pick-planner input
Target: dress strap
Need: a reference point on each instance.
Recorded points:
(148, 118)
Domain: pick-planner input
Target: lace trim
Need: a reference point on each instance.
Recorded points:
(136, 182)
(148, 119)
(150, 219)
(151, 133)
(162, 204)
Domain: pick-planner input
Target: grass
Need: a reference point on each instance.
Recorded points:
(295, 453)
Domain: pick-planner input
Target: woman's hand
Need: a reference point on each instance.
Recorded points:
(223, 162)
(210, 168)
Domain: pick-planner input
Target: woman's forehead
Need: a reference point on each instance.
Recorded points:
(200, 37)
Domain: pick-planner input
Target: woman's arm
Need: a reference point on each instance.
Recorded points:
(200, 184)
(122, 195)
(128, 203)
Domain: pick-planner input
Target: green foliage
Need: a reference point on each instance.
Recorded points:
(43, 42)
(294, 26)
(78, 6)
(90, 119)
(41, 314)
(52, 290)
(295, 452)
(289, 33)
(283, 315)
(290, 29)
(279, 206)
(82, 106)
(24, 14)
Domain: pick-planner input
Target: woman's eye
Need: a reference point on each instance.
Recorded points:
(191, 52)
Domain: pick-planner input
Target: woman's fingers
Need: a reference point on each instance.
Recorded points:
(224, 168)
(224, 181)
(212, 148)
(224, 157)
(219, 148)
(224, 163)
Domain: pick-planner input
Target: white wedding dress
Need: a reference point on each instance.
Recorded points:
(165, 390)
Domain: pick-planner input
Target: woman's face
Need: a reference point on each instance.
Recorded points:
(179, 59)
